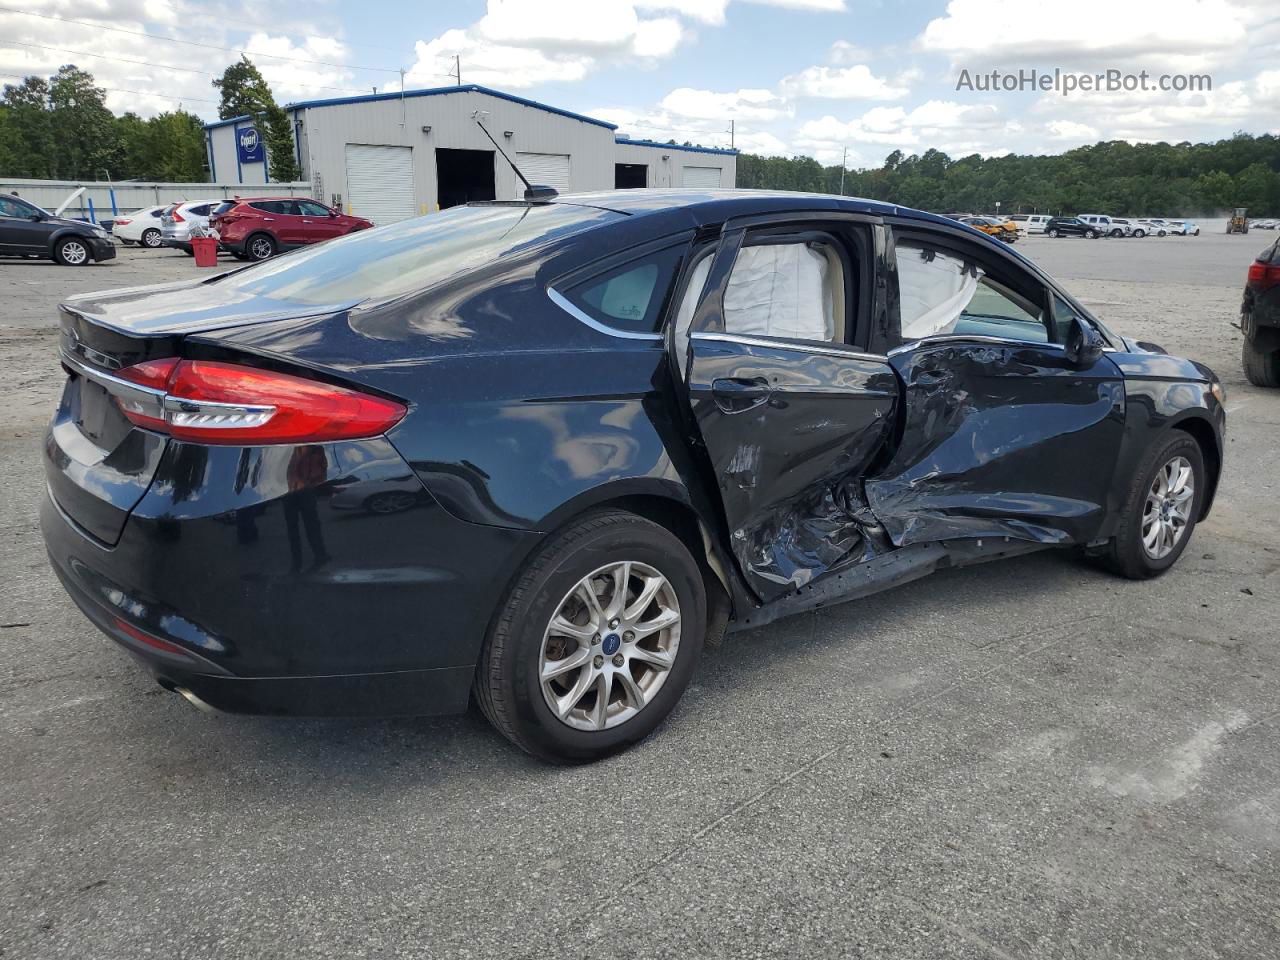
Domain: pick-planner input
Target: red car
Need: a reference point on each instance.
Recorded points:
(260, 227)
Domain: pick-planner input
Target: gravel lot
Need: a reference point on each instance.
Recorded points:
(1028, 759)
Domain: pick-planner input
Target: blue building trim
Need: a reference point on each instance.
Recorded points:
(674, 146)
(442, 91)
(235, 138)
(223, 123)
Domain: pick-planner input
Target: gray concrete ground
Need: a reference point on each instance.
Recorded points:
(1029, 759)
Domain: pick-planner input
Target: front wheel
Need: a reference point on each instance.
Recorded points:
(596, 640)
(1054, 233)
(1160, 510)
(1139, 234)
(71, 252)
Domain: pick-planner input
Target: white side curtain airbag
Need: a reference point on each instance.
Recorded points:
(934, 289)
(780, 290)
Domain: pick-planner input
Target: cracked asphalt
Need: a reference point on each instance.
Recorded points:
(1026, 759)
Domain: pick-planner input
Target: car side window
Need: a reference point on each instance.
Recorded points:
(200, 210)
(793, 289)
(1063, 317)
(309, 208)
(266, 206)
(630, 296)
(942, 293)
(9, 208)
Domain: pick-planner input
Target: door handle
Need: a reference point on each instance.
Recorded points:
(269, 219)
(737, 394)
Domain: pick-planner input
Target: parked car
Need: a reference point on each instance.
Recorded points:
(259, 228)
(1184, 228)
(29, 231)
(628, 431)
(179, 220)
(1101, 222)
(1262, 224)
(1031, 222)
(1122, 227)
(1153, 228)
(1008, 229)
(1070, 227)
(142, 227)
(984, 225)
(1260, 319)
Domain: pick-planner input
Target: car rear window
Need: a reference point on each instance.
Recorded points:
(223, 207)
(411, 255)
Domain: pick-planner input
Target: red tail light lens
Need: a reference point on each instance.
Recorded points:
(226, 403)
(123, 222)
(178, 218)
(1264, 276)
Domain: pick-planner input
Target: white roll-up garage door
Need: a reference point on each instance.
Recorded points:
(544, 170)
(380, 183)
(701, 177)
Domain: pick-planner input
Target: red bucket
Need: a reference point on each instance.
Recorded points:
(205, 250)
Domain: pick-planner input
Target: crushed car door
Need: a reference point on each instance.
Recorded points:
(1012, 413)
(789, 412)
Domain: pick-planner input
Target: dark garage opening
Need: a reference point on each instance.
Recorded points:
(627, 176)
(463, 176)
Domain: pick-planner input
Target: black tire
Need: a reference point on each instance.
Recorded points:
(72, 252)
(1091, 234)
(507, 683)
(151, 238)
(1261, 367)
(1125, 554)
(260, 246)
(241, 256)
(1117, 233)
(1054, 233)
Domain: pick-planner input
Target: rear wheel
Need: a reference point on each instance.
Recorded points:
(1160, 510)
(596, 641)
(261, 246)
(1054, 233)
(1261, 367)
(1091, 234)
(151, 238)
(71, 252)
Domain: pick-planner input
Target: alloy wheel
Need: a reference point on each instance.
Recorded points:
(610, 646)
(151, 239)
(260, 248)
(75, 252)
(1167, 512)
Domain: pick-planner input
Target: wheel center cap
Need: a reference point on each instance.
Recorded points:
(610, 644)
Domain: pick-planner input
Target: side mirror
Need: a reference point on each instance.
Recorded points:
(36, 217)
(333, 213)
(1084, 344)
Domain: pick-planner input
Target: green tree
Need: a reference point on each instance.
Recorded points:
(82, 127)
(243, 90)
(26, 139)
(281, 163)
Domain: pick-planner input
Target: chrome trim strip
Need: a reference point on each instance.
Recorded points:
(975, 338)
(779, 345)
(112, 384)
(559, 300)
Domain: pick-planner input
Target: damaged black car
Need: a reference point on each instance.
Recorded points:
(535, 454)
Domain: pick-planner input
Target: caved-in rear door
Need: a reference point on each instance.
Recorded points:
(790, 414)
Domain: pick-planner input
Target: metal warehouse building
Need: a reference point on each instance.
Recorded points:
(392, 156)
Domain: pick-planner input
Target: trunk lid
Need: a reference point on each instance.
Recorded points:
(99, 464)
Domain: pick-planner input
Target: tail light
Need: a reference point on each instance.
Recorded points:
(226, 403)
(123, 222)
(177, 217)
(1263, 276)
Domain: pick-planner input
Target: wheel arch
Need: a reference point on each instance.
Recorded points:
(1201, 430)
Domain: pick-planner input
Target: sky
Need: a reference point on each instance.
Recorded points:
(812, 77)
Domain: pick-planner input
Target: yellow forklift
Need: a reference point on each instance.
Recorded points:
(1239, 223)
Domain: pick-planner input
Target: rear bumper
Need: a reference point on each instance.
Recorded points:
(259, 599)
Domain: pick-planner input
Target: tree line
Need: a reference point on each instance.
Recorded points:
(60, 128)
(1113, 177)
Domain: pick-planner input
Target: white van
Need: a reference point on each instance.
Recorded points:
(1030, 222)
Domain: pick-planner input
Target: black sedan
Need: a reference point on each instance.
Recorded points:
(1070, 227)
(615, 425)
(27, 230)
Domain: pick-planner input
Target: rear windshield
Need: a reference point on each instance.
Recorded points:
(223, 207)
(408, 256)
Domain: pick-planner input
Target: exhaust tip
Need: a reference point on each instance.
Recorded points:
(195, 701)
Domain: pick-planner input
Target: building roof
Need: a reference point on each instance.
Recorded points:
(223, 123)
(673, 146)
(443, 91)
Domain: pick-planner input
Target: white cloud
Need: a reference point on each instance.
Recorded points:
(953, 127)
(522, 43)
(1023, 31)
(1070, 130)
(705, 11)
(688, 103)
(821, 6)
(842, 83)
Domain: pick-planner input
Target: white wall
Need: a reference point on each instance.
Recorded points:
(224, 156)
(668, 172)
